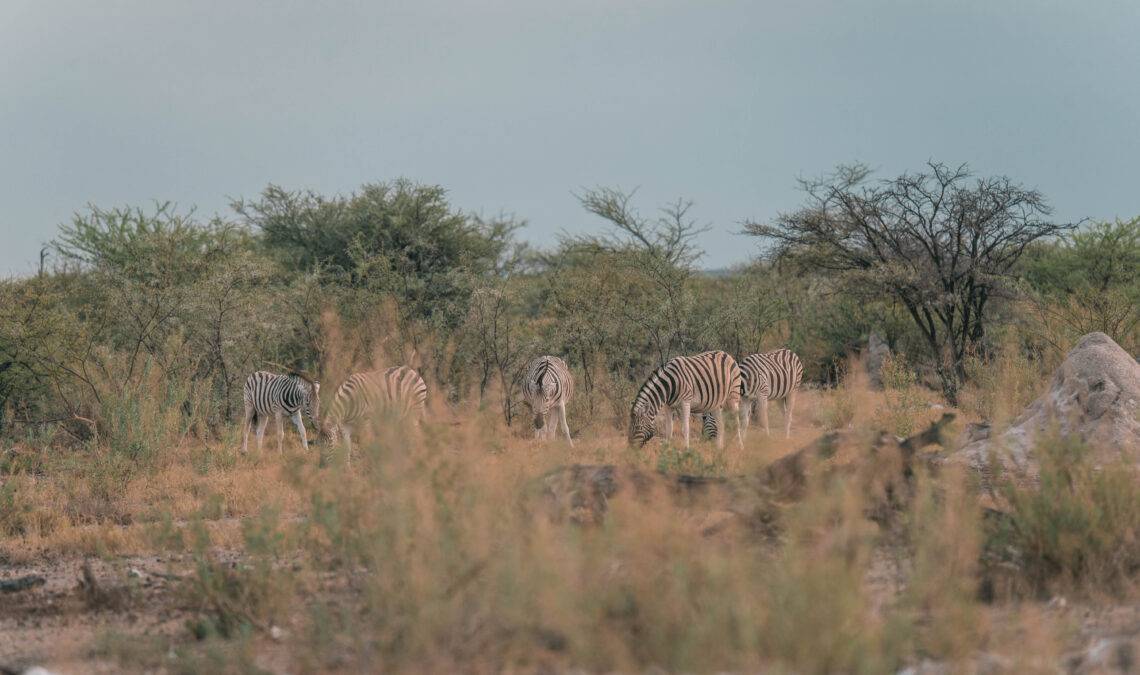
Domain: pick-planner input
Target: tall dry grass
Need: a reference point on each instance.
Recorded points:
(433, 551)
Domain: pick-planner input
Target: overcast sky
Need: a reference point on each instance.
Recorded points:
(514, 105)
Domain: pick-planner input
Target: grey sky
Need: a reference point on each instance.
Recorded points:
(514, 104)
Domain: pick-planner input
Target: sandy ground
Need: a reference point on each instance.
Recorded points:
(58, 623)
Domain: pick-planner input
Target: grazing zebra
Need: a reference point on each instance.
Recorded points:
(771, 376)
(399, 390)
(548, 385)
(705, 383)
(291, 394)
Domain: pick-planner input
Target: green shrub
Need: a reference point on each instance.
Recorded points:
(235, 598)
(676, 459)
(903, 400)
(1079, 526)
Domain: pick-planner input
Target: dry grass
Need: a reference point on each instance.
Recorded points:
(429, 552)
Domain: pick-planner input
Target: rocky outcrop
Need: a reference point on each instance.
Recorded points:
(1094, 396)
(581, 493)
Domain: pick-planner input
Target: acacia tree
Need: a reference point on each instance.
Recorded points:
(940, 241)
(660, 251)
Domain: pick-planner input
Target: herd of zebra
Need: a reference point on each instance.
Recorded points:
(704, 384)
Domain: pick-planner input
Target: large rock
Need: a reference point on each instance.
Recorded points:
(878, 351)
(1094, 395)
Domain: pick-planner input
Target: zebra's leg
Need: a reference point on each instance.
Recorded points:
(718, 415)
(741, 426)
(686, 412)
(347, 444)
(300, 424)
(280, 432)
(789, 405)
(764, 414)
(668, 425)
(246, 427)
(744, 416)
(565, 426)
(262, 425)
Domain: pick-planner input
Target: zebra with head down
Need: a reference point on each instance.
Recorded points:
(705, 383)
(547, 387)
(399, 391)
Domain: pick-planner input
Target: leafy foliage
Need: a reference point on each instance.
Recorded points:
(1088, 282)
(396, 237)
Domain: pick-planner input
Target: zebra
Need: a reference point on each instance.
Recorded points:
(291, 394)
(548, 385)
(771, 376)
(707, 382)
(766, 377)
(399, 390)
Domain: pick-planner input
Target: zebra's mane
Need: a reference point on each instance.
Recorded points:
(641, 402)
(296, 372)
(310, 379)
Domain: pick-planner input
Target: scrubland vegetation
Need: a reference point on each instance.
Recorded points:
(122, 361)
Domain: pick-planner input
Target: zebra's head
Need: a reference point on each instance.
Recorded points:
(539, 410)
(642, 425)
(311, 404)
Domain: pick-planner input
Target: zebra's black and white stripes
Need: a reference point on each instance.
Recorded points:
(771, 376)
(548, 386)
(705, 383)
(398, 391)
(268, 393)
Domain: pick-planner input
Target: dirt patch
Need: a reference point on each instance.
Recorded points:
(59, 621)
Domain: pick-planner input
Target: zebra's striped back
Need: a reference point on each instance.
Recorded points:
(771, 375)
(266, 393)
(708, 381)
(547, 383)
(399, 389)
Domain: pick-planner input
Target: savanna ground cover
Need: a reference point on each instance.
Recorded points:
(432, 552)
(163, 548)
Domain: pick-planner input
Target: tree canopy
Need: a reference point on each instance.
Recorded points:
(940, 241)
